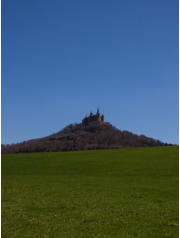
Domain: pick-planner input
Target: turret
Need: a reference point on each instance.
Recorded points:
(97, 113)
(102, 118)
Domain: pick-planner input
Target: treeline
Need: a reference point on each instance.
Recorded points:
(80, 137)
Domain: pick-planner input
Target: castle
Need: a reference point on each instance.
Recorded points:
(93, 118)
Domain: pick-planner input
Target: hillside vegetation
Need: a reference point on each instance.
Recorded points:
(125, 193)
(93, 135)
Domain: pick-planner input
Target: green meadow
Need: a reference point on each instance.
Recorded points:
(125, 193)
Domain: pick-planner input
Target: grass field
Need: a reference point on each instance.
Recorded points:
(126, 193)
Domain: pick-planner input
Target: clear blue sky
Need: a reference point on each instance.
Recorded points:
(61, 59)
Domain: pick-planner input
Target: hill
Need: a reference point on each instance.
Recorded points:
(92, 133)
(127, 193)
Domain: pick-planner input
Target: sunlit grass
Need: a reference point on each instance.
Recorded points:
(106, 193)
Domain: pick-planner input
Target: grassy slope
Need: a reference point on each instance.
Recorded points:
(106, 193)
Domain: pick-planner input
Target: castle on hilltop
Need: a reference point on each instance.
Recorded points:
(93, 118)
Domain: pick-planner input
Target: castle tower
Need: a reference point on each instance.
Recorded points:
(102, 118)
(97, 113)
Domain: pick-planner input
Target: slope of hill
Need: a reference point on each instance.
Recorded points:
(91, 133)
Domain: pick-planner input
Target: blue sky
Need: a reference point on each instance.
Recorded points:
(62, 59)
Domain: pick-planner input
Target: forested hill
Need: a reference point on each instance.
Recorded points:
(91, 133)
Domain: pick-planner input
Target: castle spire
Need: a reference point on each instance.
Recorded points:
(98, 111)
